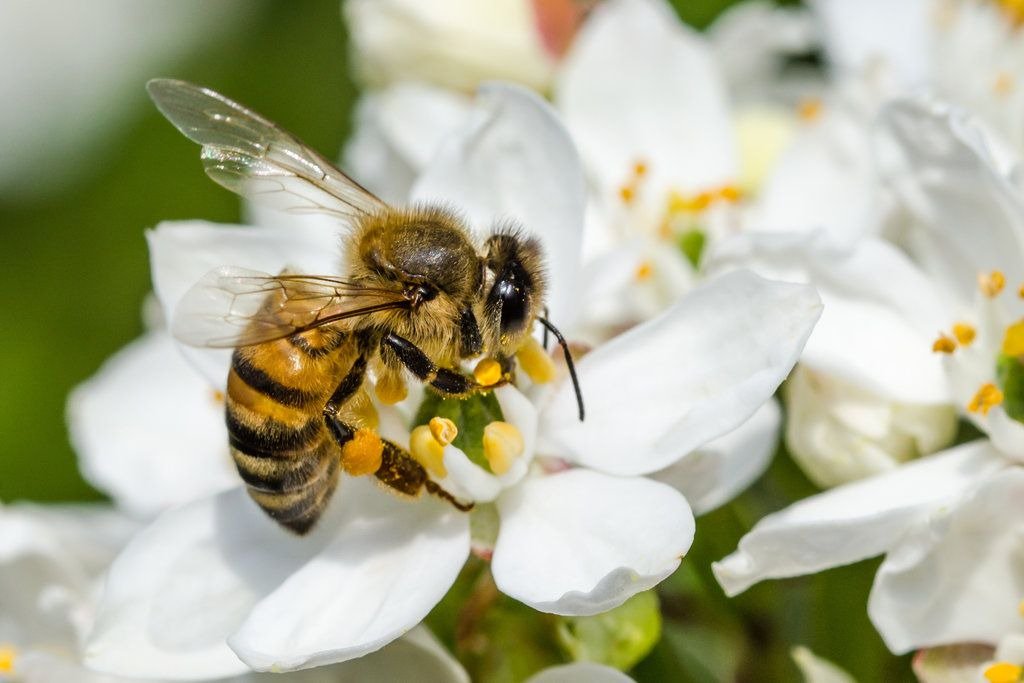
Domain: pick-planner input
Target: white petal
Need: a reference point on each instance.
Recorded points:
(956, 577)
(397, 132)
(186, 582)
(855, 521)
(692, 374)
(149, 430)
(416, 656)
(514, 160)
(49, 560)
(580, 672)
(182, 252)
(855, 36)
(581, 542)
(720, 470)
(388, 563)
(881, 312)
(639, 85)
(942, 169)
(816, 669)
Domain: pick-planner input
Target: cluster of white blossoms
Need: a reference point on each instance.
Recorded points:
(717, 229)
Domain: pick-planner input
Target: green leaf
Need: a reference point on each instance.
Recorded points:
(691, 243)
(470, 415)
(620, 637)
(1010, 374)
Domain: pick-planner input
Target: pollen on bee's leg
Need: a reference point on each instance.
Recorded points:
(1003, 672)
(535, 361)
(487, 372)
(363, 453)
(991, 284)
(7, 656)
(391, 389)
(987, 397)
(428, 450)
(503, 443)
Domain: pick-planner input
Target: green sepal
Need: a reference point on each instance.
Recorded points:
(620, 637)
(471, 415)
(1010, 374)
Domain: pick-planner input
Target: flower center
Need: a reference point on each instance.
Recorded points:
(8, 654)
(427, 444)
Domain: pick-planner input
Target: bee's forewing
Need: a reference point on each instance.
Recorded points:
(249, 155)
(232, 307)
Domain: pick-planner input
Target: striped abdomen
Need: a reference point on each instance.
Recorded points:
(275, 397)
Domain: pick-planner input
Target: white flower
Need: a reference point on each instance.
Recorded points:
(454, 43)
(217, 581)
(951, 525)
(867, 395)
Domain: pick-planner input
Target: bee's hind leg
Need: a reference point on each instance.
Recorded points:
(402, 473)
(361, 449)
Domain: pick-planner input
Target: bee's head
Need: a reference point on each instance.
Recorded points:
(513, 289)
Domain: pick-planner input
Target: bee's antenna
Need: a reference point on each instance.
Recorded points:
(544, 341)
(568, 361)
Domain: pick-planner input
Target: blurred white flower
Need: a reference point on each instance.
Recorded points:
(818, 670)
(261, 592)
(460, 43)
(968, 52)
(950, 524)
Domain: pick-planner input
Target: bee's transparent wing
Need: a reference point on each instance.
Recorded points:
(249, 155)
(232, 307)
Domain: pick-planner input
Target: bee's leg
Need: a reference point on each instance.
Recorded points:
(443, 380)
(361, 449)
(401, 472)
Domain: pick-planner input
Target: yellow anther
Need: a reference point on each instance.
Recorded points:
(1020, 608)
(640, 168)
(362, 454)
(1003, 672)
(1003, 84)
(1013, 10)
(987, 398)
(964, 333)
(991, 284)
(644, 271)
(701, 201)
(1013, 339)
(627, 193)
(535, 361)
(391, 389)
(944, 344)
(502, 445)
(427, 451)
(677, 203)
(487, 372)
(443, 430)
(809, 109)
(730, 193)
(218, 397)
(7, 656)
(1020, 291)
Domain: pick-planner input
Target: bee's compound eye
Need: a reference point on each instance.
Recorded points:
(510, 294)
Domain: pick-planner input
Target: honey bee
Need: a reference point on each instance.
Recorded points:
(417, 296)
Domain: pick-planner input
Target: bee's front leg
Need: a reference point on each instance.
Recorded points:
(443, 380)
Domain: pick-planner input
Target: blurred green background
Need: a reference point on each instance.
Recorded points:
(75, 274)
